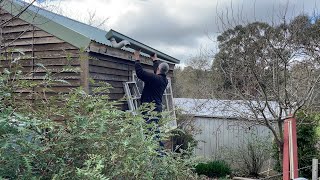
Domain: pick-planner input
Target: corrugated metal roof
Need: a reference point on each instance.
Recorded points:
(91, 32)
(213, 108)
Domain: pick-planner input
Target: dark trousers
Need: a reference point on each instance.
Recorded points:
(156, 130)
(155, 120)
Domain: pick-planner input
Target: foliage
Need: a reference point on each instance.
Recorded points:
(183, 137)
(182, 140)
(76, 135)
(250, 156)
(194, 80)
(307, 139)
(213, 169)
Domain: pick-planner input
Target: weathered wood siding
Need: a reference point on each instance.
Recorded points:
(115, 71)
(110, 70)
(39, 48)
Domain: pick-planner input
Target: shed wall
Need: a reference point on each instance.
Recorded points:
(39, 49)
(219, 135)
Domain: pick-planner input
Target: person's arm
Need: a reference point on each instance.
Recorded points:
(156, 63)
(142, 74)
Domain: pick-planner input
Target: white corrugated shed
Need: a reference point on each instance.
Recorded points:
(224, 124)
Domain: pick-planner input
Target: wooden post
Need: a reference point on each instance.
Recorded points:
(285, 158)
(314, 169)
(294, 148)
(290, 152)
(84, 74)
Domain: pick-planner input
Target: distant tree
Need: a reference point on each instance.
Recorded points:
(268, 64)
(194, 80)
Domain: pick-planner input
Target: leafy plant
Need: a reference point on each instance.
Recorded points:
(182, 140)
(213, 169)
(183, 137)
(250, 156)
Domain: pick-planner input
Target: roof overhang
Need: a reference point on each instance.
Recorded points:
(35, 18)
(140, 46)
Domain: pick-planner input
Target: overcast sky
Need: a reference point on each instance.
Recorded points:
(180, 28)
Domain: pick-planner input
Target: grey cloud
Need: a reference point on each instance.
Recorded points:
(169, 25)
(268, 10)
(156, 25)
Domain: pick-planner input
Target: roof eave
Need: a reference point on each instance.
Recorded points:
(235, 118)
(138, 45)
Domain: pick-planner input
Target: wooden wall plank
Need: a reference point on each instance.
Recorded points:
(58, 61)
(46, 62)
(45, 54)
(71, 83)
(108, 64)
(116, 84)
(58, 53)
(42, 40)
(63, 75)
(57, 46)
(115, 96)
(108, 77)
(16, 22)
(64, 89)
(41, 47)
(6, 16)
(26, 35)
(19, 28)
(51, 69)
(105, 70)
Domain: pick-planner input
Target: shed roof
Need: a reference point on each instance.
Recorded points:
(224, 109)
(74, 32)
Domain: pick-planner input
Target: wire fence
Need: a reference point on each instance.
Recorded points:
(280, 174)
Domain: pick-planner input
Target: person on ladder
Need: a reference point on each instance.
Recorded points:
(154, 85)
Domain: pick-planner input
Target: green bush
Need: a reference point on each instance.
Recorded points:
(307, 139)
(250, 156)
(213, 169)
(79, 136)
(183, 137)
(182, 140)
(96, 141)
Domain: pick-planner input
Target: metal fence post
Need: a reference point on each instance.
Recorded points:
(314, 169)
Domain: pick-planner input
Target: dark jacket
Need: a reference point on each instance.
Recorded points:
(154, 85)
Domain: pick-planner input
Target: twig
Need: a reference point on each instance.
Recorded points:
(14, 17)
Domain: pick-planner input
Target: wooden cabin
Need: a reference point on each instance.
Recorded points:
(46, 39)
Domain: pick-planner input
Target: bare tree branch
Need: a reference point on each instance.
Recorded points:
(16, 16)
